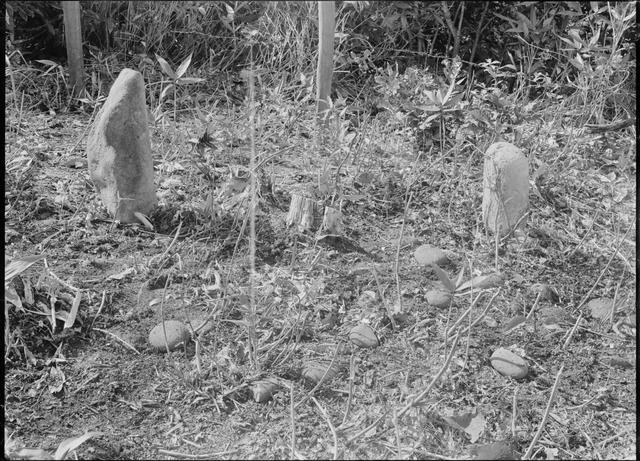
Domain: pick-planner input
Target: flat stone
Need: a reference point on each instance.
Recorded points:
(495, 450)
(119, 150)
(177, 333)
(438, 298)
(509, 364)
(600, 308)
(426, 254)
(505, 187)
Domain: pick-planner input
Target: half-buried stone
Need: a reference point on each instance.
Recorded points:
(177, 334)
(119, 150)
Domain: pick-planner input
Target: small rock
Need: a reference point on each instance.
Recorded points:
(490, 322)
(314, 372)
(76, 162)
(509, 364)
(438, 298)
(426, 254)
(264, 390)
(364, 336)
(495, 450)
(546, 292)
(515, 322)
(601, 308)
(177, 333)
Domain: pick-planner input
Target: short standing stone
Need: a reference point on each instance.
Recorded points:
(506, 187)
(119, 150)
(177, 333)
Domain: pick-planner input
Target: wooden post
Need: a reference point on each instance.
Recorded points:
(73, 41)
(326, 21)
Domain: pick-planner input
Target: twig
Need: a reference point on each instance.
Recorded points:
(415, 400)
(613, 437)
(394, 419)
(546, 414)
(481, 316)
(464, 315)
(368, 428)
(126, 344)
(573, 330)
(381, 295)
(175, 237)
(423, 394)
(104, 295)
(584, 237)
(352, 375)
(252, 320)
(164, 328)
(586, 436)
(514, 411)
(326, 372)
(86, 130)
(177, 454)
(68, 285)
(292, 413)
(604, 269)
(397, 261)
(331, 427)
(535, 304)
(615, 297)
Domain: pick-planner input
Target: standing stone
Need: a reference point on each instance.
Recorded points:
(506, 187)
(119, 150)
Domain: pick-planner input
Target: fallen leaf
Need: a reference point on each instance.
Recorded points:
(472, 423)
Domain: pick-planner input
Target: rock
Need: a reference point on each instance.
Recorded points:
(546, 292)
(119, 150)
(438, 298)
(495, 450)
(264, 390)
(509, 364)
(314, 371)
(506, 187)
(426, 254)
(177, 333)
(364, 336)
(600, 308)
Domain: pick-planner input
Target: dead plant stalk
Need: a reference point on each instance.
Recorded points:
(416, 399)
(527, 455)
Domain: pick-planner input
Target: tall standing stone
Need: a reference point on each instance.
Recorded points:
(506, 187)
(119, 150)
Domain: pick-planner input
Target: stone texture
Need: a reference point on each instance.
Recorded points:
(506, 187)
(509, 364)
(438, 298)
(426, 254)
(119, 150)
(177, 334)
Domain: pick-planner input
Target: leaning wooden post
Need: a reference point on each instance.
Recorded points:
(73, 41)
(326, 21)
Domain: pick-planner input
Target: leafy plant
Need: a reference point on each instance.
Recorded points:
(177, 78)
(480, 282)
